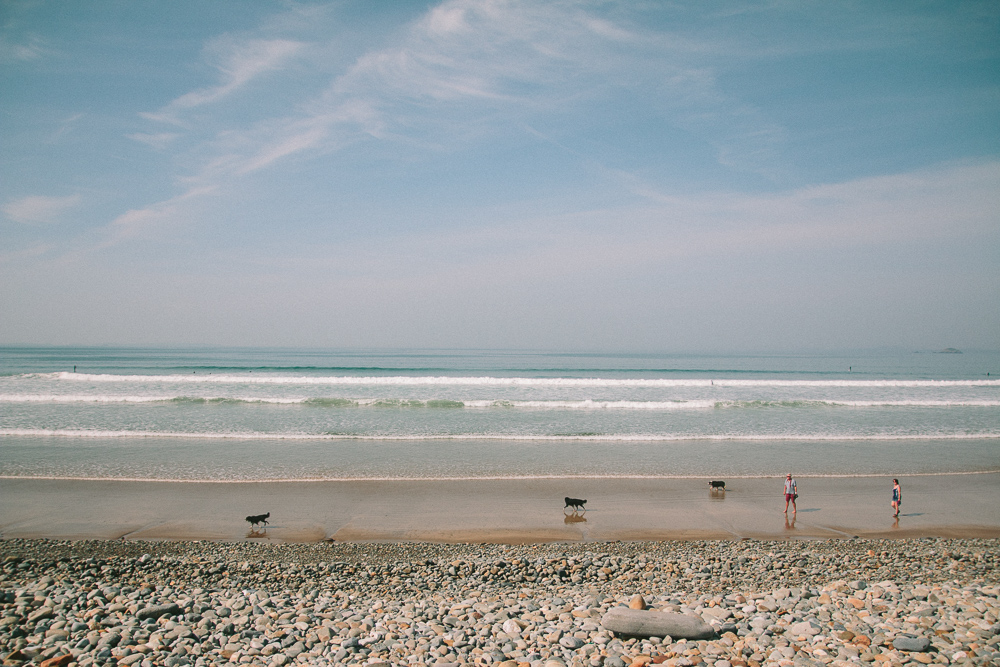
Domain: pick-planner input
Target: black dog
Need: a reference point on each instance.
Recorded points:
(714, 485)
(575, 503)
(260, 518)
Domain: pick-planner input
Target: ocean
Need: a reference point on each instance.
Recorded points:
(276, 414)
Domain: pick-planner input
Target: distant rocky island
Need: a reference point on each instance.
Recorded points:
(949, 350)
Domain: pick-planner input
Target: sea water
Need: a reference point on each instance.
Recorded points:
(267, 414)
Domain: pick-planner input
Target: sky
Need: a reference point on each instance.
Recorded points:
(568, 174)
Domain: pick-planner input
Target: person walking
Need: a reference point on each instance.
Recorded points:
(791, 493)
(897, 496)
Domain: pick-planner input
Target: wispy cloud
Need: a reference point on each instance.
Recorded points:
(466, 71)
(65, 127)
(462, 63)
(39, 209)
(158, 140)
(948, 204)
(135, 222)
(238, 63)
(25, 49)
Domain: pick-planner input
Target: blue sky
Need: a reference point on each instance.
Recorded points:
(665, 176)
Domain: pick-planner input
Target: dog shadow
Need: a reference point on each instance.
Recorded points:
(574, 517)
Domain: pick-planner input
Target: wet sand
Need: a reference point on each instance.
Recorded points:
(504, 511)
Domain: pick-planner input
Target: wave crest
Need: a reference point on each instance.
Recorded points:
(608, 437)
(418, 380)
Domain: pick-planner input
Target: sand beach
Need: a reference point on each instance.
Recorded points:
(499, 510)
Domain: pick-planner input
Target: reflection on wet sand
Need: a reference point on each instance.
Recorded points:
(574, 517)
(260, 532)
(790, 522)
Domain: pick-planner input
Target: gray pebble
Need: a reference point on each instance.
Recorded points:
(910, 643)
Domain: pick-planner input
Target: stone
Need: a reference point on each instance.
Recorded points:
(720, 613)
(804, 628)
(512, 627)
(637, 602)
(571, 642)
(643, 623)
(911, 643)
(156, 611)
(58, 661)
(40, 614)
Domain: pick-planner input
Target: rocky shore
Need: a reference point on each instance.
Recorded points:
(881, 602)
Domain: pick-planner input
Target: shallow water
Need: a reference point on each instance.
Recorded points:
(306, 414)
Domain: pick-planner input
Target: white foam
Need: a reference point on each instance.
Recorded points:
(611, 437)
(583, 404)
(153, 398)
(465, 478)
(406, 380)
(588, 404)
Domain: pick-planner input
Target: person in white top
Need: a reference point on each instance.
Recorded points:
(791, 493)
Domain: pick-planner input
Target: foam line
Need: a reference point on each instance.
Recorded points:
(627, 437)
(470, 478)
(582, 404)
(416, 380)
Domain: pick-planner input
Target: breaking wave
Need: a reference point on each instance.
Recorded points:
(416, 380)
(618, 437)
(582, 404)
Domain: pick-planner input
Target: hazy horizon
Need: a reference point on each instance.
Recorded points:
(500, 174)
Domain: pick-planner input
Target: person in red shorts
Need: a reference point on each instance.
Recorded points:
(791, 493)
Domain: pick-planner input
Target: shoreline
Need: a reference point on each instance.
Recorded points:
(470, 478)
(508, 511)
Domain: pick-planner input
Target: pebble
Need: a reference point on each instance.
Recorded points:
(909, 643)
(781, 603)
